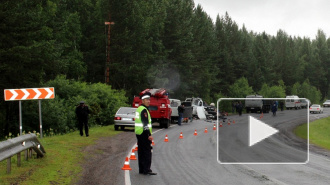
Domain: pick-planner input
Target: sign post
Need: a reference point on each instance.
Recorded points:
(40, 118)
(29, 94)
(20, 117)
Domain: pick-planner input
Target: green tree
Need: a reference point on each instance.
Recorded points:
(306, 90)
(276, 91)
(240, 89)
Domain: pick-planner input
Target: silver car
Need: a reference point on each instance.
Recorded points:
(315, 108)
(326, 103)
(125, 117)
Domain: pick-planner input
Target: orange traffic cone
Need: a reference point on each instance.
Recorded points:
(262, 115)
(153, 143)
(205, 131)
(181, 137)
(126, 165)
(220, 125)
(233, 121)
(214, 128)
(195, 134)
(132, 156)
(166, 138)
(228, 121)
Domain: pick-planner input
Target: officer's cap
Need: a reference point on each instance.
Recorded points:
(145, 95)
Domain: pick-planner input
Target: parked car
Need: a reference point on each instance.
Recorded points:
(292, 102)
(125, 117)
(305, 102)
(326, 103)
(315, 108)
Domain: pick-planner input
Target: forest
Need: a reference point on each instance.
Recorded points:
(172, 44)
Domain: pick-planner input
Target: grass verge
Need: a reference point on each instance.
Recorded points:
(60, 165)
(318, 132)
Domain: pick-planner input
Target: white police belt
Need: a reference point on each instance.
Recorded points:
(141, 125)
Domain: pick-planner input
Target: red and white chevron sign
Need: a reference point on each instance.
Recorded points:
(29, 94)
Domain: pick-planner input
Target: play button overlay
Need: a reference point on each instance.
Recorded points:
(263, 134)
(259, 131)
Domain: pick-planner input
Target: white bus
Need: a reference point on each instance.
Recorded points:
(292, 102)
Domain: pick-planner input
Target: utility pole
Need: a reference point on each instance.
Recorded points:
(107, 64)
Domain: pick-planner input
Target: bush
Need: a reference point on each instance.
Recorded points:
(58, 114)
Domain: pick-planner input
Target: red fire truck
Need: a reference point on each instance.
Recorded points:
(160, 109)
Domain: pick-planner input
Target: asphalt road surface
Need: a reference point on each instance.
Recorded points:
(193, 159)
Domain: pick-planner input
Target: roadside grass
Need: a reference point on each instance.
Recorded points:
(60, 165)
(318, 132)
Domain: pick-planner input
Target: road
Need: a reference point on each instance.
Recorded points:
(193, 159)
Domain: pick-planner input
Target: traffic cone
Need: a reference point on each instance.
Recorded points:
(205, 131)
(195, 134)
(233, 121)
(181, 137)
(262, 115)
(214, 128)
(228, 121)
(220, 125)
(132, 156)
(153, 143)
(136, 148)
(126, 165)
(166, 138)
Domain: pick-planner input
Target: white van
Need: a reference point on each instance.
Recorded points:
(292, 102)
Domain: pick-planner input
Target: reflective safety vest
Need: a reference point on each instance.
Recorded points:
(138, 122)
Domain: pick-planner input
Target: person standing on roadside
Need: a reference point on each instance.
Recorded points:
(143, 131)
(82, 112)
(233, 106)
(281, 105)
(240, 108)
(180, 111)
(274, 108)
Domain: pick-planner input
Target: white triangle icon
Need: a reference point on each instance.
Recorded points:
(259, 131)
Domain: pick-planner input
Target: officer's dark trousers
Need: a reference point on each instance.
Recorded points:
(83, 123)
(144, 153)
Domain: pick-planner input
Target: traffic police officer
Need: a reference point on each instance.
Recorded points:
(143, 131)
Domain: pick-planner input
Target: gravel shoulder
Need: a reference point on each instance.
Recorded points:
(104, 159)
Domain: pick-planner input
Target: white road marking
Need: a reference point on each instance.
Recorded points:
(127, 176)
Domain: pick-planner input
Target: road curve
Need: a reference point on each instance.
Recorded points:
(193, 159)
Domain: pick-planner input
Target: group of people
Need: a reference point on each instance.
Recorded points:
(143, 127)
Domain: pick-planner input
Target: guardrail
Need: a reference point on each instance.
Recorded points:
(14, 146)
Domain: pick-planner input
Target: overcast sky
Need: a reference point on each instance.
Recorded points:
(295, 17)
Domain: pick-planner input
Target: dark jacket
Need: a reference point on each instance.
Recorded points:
(180, 109)
(82, 112)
